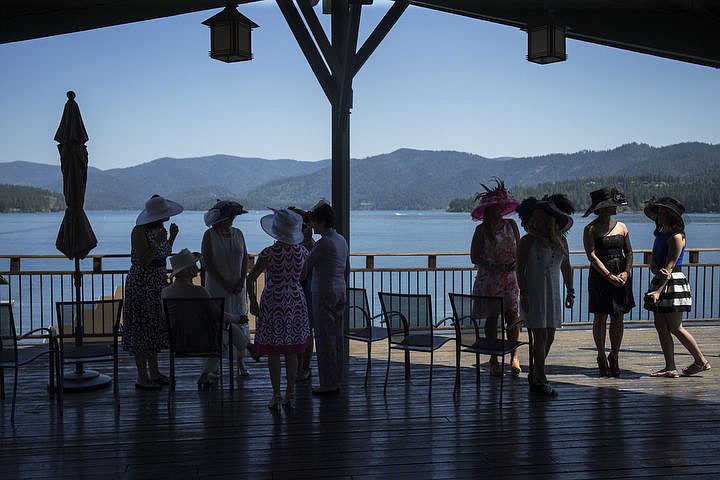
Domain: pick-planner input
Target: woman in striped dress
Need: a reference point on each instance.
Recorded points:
(669, 294)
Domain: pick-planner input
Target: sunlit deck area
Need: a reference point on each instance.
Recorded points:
(634, 426)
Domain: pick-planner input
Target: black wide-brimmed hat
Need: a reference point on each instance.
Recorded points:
(605, 197)
(557, 206)
(223, 210)
(675, 207)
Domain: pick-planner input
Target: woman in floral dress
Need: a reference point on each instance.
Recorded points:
(143, 329)
(493, 252)
(282, 318)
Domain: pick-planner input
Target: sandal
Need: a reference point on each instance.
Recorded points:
(243, 372)
(543, 389)
(695, 368)
(147, 385)
(303, 375)
(161, 379)
(275, 402)
(666, 374)
(495, 370)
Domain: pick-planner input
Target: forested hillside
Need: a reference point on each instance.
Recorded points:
(17, 198)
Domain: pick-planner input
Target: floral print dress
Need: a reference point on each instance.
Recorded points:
(491, 282)
(143, 329)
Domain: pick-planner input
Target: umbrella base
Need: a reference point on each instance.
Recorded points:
(85, 381)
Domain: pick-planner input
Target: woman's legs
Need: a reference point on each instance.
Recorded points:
(617, 328)
(291, 369)
(599, 323)
(540, 339)
(142, 370)
(675, 326)
(274, 367)
(513, 335)
(490, 329)
(666, 341)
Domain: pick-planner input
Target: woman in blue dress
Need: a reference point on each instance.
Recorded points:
(669, 294)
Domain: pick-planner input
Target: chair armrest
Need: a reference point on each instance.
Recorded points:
(394, 313)
(441, 322)
(514, 324)
(48, 330)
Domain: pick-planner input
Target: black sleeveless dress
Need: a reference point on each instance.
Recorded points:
(604, 297)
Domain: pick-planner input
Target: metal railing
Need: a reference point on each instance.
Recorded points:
(36, 282)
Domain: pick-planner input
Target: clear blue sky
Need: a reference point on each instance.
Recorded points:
(437, 82)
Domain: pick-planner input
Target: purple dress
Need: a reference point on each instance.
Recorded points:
(282, 323)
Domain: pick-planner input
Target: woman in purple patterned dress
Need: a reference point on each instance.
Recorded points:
(282, 319)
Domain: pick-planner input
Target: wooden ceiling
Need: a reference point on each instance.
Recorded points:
(685, 30)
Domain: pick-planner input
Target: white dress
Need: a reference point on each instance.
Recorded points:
(543, 286)
(228, 254)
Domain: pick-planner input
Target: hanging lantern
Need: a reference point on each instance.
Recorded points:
(230, 35)
(546, 40)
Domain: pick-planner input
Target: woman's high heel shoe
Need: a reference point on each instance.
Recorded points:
(603, 366)
(275, 402)
(614, 366)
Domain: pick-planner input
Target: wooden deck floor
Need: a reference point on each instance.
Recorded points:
(631, 427)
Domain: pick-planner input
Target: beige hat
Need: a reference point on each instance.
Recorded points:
(158, 208)
(283, 225)
(182, 260)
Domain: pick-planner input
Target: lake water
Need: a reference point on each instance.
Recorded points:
(371, 231)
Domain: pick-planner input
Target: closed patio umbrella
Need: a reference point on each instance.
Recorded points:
(75, 238)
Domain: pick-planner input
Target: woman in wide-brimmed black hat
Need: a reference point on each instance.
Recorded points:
(542, 256)
(669, 294)
(607, 245)
(225, 260)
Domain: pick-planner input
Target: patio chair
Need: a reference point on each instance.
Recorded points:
(410, 328)
(475, 334)
(15, 352)
(361, 325)
(195, 329)
(88, 332)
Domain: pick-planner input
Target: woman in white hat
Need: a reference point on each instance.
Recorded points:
(184, 271)
(143, 331)
(493, 251)
(282, 319)
(225, 260)
(542, 256)
(607, 246)
(669, 294)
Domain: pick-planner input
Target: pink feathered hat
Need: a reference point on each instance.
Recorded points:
(494, 196)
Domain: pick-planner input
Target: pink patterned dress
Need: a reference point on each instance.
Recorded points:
(282, 323)
(492, 282)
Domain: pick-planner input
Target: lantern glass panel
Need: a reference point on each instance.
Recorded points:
(221, 37)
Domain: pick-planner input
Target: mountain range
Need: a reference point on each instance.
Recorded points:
(403, 179)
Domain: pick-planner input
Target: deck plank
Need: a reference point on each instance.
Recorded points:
(632, 427)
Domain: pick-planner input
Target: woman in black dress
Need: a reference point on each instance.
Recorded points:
(607, 245)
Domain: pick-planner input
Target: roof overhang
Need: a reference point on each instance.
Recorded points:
(686, 30)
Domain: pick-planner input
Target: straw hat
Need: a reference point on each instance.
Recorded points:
(223, 210)
(675, 207)
(182, 260)
(605, 197)
(158, 208)
(492, 197)
(283, 225)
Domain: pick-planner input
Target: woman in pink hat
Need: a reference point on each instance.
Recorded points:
(493, 252)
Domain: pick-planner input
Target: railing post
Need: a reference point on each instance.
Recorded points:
(15, 264)
(97, 264)
(432, 262)
(694, 256)
(369, 262)
(647, 256)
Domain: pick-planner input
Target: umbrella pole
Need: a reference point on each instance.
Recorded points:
(80, 321)
(82, 380)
